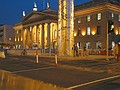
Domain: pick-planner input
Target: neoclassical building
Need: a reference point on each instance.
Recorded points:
(90, 26)
(37, 28)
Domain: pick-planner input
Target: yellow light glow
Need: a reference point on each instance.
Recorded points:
(21, 39)
(17, 31)
(116, 32)
(75, 34)
(93, 32)
(30, 29)
(15, 39)
(83, 33)
(18, 39)
(10, 39)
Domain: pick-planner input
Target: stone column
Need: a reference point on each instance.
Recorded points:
(30, 37)
(24, 38)
(48, 35)
(43, 42)
(37, 28)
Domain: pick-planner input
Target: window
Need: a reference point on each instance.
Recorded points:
(55, 34)
(98, 45)
(99, 16)
(79, 20)
(88, 30)
(98, 30)
(78, 44)
(118, 30)
(88, 45)
(113, 44)
(88, 18)
(112, 15)
(118, 17)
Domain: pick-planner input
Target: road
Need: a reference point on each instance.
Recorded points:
(60, 75)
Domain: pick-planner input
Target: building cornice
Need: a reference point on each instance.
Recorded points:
(97, 9)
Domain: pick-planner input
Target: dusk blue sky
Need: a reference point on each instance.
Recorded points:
(11, 10)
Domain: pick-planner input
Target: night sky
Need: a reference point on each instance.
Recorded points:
(11, 10)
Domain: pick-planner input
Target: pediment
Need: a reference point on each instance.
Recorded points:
(31, 16)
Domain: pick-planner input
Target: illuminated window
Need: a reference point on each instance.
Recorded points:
(79, 44)
(55, 34)
(113, 44)
(88, 45)
(17, 31)
(88, 30)
(99, 16)
(118, 30)
(10, 39)
(79, 20)
(112, 15)
(98, 45)
(88, 18)
(118, 17)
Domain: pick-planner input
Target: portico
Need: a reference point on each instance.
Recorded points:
(38, 28)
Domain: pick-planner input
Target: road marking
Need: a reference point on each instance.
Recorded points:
(5, 71)
(92, 82)
(32, 69)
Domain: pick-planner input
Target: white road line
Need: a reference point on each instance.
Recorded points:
(92, 82)
(5, 71)
(32, 69)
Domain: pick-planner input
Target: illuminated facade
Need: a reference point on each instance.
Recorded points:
(65, 27)
(86, 26)
(91, 23)
(37, 28)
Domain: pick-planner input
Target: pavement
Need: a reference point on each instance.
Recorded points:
(91, 63)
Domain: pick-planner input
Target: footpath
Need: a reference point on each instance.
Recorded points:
(92, 63)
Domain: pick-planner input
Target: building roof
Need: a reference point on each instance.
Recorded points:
(93, 3)
(48, 12)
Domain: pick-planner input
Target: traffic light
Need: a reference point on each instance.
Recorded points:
(110, 26)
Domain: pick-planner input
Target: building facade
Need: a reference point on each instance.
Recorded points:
(6, 35)
(37, 28)
(91, 21)
(90, 26)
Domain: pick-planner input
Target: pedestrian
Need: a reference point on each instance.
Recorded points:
(84, 51)
(115, 51)
(75, 49)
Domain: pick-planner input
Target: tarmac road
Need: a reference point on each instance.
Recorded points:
(64, 74)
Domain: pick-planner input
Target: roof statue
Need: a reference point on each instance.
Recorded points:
(24, 14)
(35, 7)
(48, 5)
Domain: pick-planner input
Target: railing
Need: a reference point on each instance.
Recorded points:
(45, 52)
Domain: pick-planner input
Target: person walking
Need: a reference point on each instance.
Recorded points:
(116, 51)
(75, 49)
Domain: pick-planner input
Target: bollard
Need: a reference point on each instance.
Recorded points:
(55, 58)
(36, 55)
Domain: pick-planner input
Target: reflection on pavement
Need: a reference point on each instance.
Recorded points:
(14, 82)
